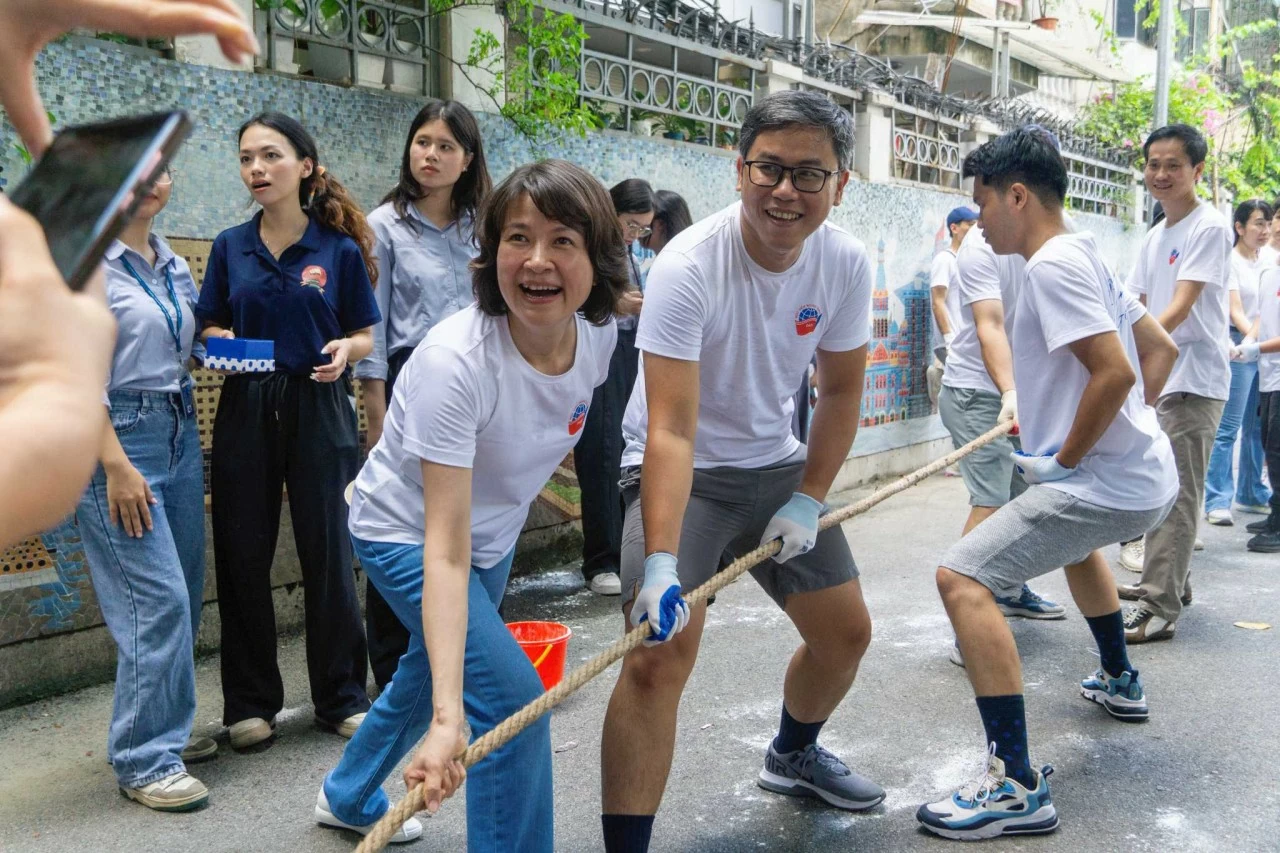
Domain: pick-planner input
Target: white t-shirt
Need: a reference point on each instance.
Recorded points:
(1244, 278)
(1195, 249)
(1269, 311)
(1269, 256)
(1070, 294)
(753, 333)
(981, 274)
(942, 273)
(467, 398)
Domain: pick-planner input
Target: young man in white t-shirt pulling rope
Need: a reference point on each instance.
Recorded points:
(1087, 362)
(735, 308)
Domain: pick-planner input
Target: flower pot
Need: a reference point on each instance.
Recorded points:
(674, 134)
(642, 126)
(702, 140)
(1050, 24)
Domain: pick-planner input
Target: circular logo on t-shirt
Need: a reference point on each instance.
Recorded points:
(807, 319)
(314, 276)
(578, 418)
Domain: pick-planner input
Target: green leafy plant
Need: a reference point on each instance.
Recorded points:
(23, 153)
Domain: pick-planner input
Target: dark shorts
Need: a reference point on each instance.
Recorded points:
(728, 511)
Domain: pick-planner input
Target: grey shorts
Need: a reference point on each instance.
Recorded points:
(1039, 531)
(728, 511)
(988, 472)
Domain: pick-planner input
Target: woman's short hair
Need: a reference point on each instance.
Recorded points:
(569, 195)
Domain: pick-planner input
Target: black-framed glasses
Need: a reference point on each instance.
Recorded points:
(806, 179)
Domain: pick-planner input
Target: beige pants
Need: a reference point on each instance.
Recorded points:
(1191, 423)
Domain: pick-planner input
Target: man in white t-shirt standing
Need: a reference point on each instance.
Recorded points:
(944, 295)
(978, 393)
(735, 308)
(1181, 275)
(1098, 467)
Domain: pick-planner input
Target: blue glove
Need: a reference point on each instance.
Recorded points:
(659, 602)
(1039, 469)
(796, 524)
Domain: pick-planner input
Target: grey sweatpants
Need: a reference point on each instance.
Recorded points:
(1191, 422)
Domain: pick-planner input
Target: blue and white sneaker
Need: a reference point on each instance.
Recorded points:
(815, 772)
(992, 806)
(1028, 605)
(1122, 697)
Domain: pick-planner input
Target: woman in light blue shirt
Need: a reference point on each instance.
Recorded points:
(423, 245)
(142, 517)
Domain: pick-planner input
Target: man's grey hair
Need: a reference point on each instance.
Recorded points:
(800, 109)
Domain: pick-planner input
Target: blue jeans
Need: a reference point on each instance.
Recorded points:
(1239, 416)
(150, 590)
(509, 803)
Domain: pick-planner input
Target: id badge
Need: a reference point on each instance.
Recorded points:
(188, 391)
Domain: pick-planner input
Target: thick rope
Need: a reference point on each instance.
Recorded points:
(380, 835)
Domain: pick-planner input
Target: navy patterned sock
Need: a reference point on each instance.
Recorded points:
(1005, 721)
(626, 833)
(1109, 632)
(793, 734)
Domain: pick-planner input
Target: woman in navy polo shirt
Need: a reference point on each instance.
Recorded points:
(423, 245)
(299, 274)
(142, 517)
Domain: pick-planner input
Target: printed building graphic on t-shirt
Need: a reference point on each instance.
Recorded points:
(896, 387)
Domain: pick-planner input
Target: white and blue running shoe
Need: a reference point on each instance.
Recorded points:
(1029, 605)
(1123, 697)
(992, 806)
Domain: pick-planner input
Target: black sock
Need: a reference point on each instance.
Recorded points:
(1108, 631)
(1005, 721)
(626, 833)
(793, 734)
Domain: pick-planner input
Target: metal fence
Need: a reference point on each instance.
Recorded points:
(366, 42)
(926, 149)
(1097, 187)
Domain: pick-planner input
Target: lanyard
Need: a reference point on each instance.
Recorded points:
(175, 328)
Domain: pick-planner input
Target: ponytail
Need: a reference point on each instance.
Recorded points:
(330, 204)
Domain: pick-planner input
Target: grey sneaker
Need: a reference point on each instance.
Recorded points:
(814, 772)
(180, 792)
(199, 749)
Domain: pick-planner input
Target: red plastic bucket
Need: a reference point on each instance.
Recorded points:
(546, 644)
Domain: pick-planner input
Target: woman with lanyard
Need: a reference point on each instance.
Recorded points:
(423, 245)
(298, 274)
(598, 457)
(142, 517)
(485, 409)
(1240, 416)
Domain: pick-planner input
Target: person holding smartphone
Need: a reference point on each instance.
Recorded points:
(299, 274)
(422, 241)
(56, 346)
(142, 517)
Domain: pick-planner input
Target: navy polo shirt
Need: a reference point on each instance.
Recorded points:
(317, 292)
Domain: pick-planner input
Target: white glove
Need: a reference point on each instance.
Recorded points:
(1040, 469)
(659, 602)
(796, 524)
(1008, 406)
(947, 339)
(1246, 352)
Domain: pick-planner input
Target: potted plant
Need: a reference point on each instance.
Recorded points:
(1047, 20)
(728, 139)
(642, 122)
(677, 127)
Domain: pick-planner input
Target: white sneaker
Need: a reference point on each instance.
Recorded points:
(1220, 517)
(251, 732)
(606, 583)
(1254, 509)
(180, 792)
(1199, 544)
(411, 830)
(1133, 555)
(346, 728)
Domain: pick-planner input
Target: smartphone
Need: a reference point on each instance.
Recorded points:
(86, 187)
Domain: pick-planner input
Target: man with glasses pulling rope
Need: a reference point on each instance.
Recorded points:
(736, 306)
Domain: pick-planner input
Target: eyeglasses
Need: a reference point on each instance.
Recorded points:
(637, 230)
(806, 179)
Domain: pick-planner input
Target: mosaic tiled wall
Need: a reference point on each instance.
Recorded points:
(44, 586)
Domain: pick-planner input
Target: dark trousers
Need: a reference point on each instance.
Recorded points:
(388, 638)
(597, 459)
(277, 430)
(1269, 409)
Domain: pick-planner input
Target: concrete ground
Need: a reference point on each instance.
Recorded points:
(1199, 776)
